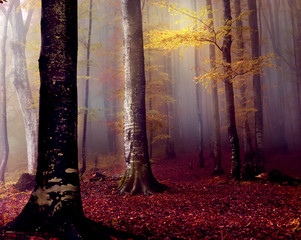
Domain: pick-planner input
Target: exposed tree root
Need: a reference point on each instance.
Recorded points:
(140, 184)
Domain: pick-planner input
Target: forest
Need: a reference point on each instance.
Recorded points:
(150, 119)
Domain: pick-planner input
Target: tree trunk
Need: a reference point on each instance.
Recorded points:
(230, 108)
(170, 144)
(86, 106)
(4, 147)
(55, 204)
(138, 177)
(216, 135)
(21, 83)
(255, 46)
(274, 31)
(248, 167)
(170, 107)
(198, 104)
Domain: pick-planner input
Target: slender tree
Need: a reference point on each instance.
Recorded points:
(216, 134)
(138, 177)
(170, 107)
(247, 168)
(4, 147)
(55, 204)
(296, 34)
(230, 108)
(198, 103)
(259, 148)
(87, 83)
(20, 26)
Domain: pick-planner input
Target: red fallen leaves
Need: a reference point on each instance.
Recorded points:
(11, 203)
(196, 206)
(201, 210)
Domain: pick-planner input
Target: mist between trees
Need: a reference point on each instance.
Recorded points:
(180, 77)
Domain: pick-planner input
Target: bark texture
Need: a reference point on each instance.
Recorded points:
(138, 177)
(259, 148)
(21, 82)
(230, 108)
(55, 204)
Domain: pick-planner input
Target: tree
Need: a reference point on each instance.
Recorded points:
(259, 152)
(230, 109)
(21, 82)
(225, 69)
(138, 177)
(216, 134)
(296, 34)
(4, 147)
(86, 106)
(198, 104)
(248, 167)
(55, 204)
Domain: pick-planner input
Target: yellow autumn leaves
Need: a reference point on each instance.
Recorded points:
(198, 32)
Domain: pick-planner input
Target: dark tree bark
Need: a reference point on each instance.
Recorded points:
(4, 147)
(138, 177)
(55, 204)
(255, 45)
(216, 135)
(248, 166)
(21, 82)
(230, 108)
(86, 106)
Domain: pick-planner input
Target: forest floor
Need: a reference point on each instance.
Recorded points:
(196, 205)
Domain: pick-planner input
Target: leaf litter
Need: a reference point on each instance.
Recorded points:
(196, 206)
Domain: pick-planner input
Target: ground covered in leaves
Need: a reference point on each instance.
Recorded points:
(196, 206)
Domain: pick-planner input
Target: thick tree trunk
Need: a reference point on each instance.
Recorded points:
(21, 83)
(216, 135)
(86, 106)
(230, 108)
(248, 166)
(4, 147)
(55, 204)
(138, 177)
(255, 45)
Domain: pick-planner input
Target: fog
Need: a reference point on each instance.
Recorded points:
(171, 84)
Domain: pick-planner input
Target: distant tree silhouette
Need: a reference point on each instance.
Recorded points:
(4, 147)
